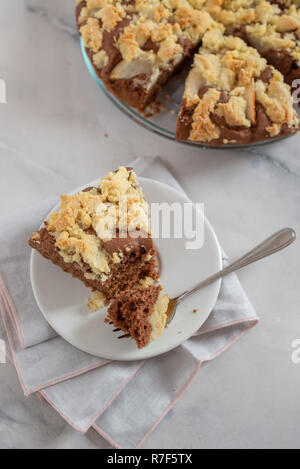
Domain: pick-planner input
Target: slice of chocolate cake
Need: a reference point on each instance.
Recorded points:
(135, 46)
(102, 235)
(233, 96)
(141, 313)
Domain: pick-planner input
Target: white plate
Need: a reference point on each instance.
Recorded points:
(63, 299)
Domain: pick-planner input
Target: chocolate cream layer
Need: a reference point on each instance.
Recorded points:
(138, 261)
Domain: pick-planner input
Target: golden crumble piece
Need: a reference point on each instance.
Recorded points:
(142, 33)
(100, 59)
(128, 45)
(146, 282)
(234, 112)
(277, 100)
(35, 236)
(110, 16)
(94, 4)
(274, 130)
(97, 302)
(268, 37)
(161, 32)
(286, 23)
(84, 14)
(92, 34)
(194, 22)
(203, 129)
(169, 49)
(160, 12)
(116, 258)
(118, 184)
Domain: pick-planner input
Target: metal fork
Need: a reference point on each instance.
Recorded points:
(274, 243)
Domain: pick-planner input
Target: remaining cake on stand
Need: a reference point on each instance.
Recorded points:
(136, 46)
(232, 95)
(271, 27)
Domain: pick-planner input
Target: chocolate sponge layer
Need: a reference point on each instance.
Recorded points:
(133, 267)
(131, 310)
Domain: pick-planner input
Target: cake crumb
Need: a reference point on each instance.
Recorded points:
(154, 108)
(97, 302)
(146, 282)
(195, 311)
(168, 98)
(116, 258)
(35, 236)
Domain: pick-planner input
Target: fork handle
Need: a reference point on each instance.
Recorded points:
(274, 243)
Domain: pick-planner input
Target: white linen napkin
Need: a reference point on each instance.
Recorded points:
(46, 364)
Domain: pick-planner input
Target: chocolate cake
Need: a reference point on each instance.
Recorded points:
(135, 46)
(233, 96)
(141, 313)
(102, 237)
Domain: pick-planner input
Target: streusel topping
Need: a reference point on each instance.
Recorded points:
(279, 32)
(151, 35)
(286, 3)
(163, 25)
(268, 25)
(227, 64)
(86, 219)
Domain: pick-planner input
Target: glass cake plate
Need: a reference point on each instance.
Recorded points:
(164, 122)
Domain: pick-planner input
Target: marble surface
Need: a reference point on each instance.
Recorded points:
(56, 119)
